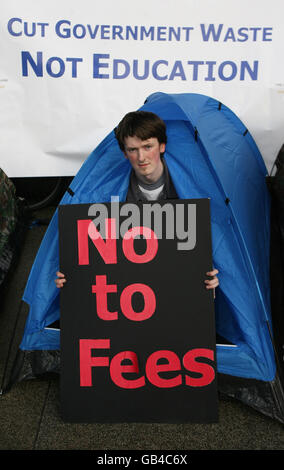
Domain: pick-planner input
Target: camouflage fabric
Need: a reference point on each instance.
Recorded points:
(8, 210)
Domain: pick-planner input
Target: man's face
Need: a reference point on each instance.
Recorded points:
(144, 156)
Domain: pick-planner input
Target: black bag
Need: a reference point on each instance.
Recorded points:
(275, 185)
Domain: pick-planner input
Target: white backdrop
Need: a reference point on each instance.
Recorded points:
(70, 70)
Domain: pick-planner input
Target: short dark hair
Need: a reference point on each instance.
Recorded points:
(142, 124)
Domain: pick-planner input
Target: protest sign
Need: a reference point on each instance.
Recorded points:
(137, 323)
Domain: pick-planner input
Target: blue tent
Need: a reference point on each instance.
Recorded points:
(210, 154)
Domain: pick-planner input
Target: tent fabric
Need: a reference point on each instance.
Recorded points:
(210, 154)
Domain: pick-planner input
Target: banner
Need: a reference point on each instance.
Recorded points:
(68, 74)
(137, 323)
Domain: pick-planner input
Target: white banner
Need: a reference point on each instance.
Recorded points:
(70, 70)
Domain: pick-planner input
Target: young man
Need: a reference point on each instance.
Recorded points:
(142, 138)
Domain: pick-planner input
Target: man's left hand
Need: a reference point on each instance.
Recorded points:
(214, 282)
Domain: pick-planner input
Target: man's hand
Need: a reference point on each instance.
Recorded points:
(214, 282)
(210, 283)
(60, 281)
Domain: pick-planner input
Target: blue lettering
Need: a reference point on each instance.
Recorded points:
(131, 32)
(141, 69)
(10, 25)
(230, 35)
(126, 66)
(195, 64)
(206, 34)
(155, 70)
(212, 32)
(149, 33)
(146, 70)
(65, 33)
(27, 30)
(36, 66)
(61, 67)
(77, 33)
(57, 62)
(187, 30)
(97, 65)
(210, 77)
(266, 33)
(246, 67)
(105, 31)
(161, 31)
(242, 32)
(255, 30)
(175, 33)
(177, 71)
(74, 61)
(232, 68)
(117, 31)
(33, 31)
(93, 32)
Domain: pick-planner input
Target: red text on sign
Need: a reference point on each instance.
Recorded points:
(102, 289)
(153, 368)
(86, 230)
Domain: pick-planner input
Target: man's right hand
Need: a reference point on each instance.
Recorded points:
(60, 281)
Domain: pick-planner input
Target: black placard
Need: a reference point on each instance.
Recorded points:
(137, 323)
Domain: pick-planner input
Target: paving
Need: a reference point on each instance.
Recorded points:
(30, 413)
